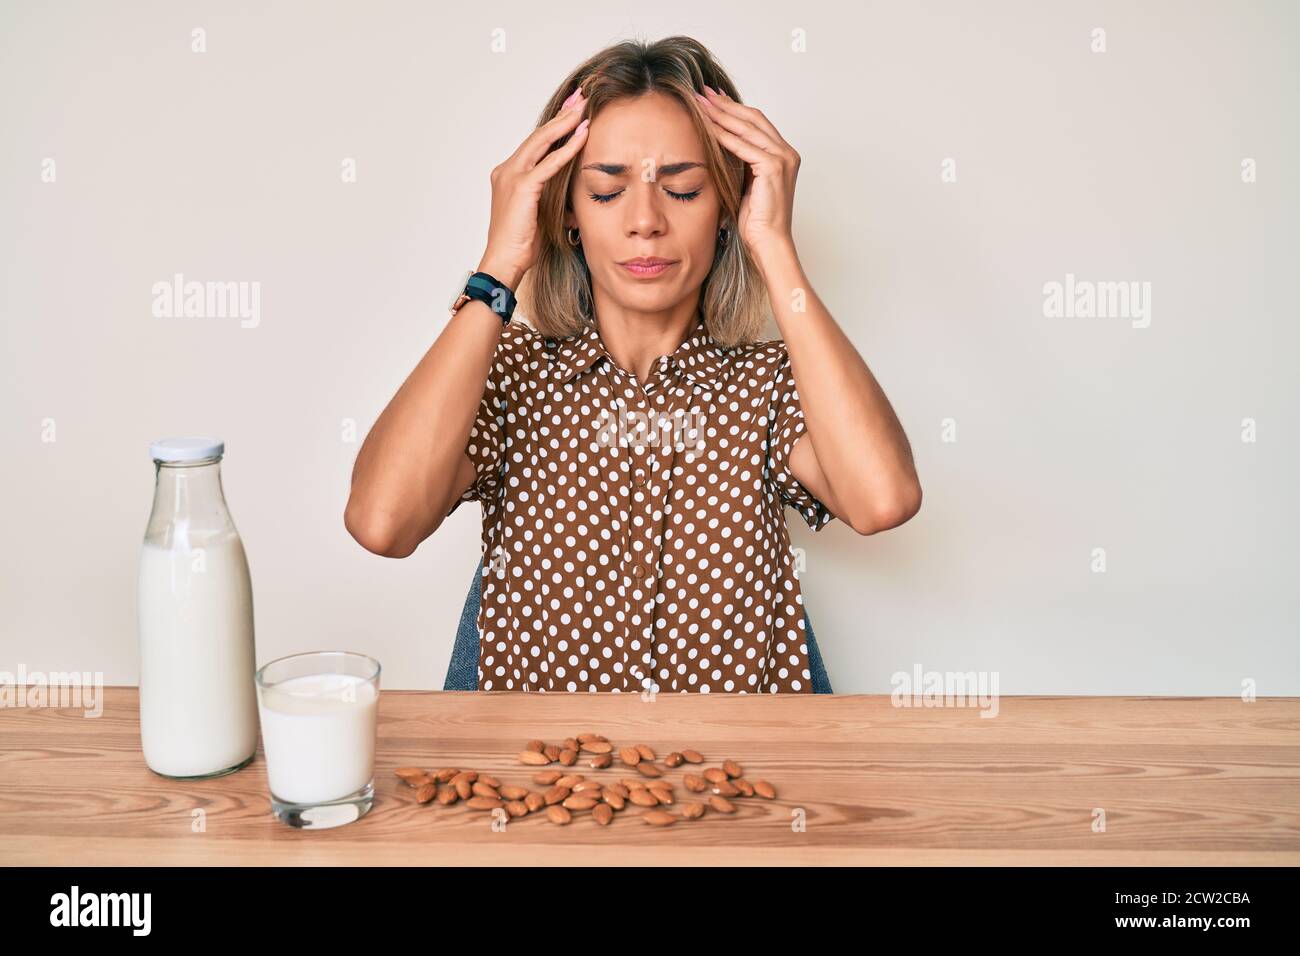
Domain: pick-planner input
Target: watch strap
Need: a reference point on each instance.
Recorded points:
(495, 295)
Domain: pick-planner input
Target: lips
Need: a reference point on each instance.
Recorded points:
(647, 265)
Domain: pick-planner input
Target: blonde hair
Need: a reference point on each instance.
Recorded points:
(556, 293)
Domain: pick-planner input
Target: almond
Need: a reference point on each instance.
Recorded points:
(552, 751)
(570, 743)
(645, 752)
(695, 782)
(490, 780)
(533, 757)
(484, 803)
(600, 761)
(715, 775)
(481, 789)
(463, 788)
(447, 795)
(632, 783)
(692, 756)
(692, 810)
(547, 777)
(659, 818)
(419, 781)
(582, 785)
(764, 790)
(535, 745)
(674, 759)
(644, 798)
(534, 801)
(613, 799)
(557, 814)
(617, 788)
(722, 804)
(446, 773)
(630, 756)
(726, 788)
(556, 794)
(517, 808)
(597, 746)
(583, 738)
(603, 813)
(469, 776)
(569, 779)
(426, 793)
(649, 770)
(568, 757)
(732, 768)
(577, 802)
(744, 786)
(409, 773)
(513, 792)
(663, 796)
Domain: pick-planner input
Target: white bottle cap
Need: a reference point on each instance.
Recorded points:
(186, 449)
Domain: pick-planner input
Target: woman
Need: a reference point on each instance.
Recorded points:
(634, 449)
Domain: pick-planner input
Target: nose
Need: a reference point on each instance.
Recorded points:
(645, 215)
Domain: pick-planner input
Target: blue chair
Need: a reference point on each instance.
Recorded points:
(462, 671)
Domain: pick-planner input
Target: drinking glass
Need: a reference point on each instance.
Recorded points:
(318, 714)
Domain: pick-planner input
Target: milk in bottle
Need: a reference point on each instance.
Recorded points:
(198, 702)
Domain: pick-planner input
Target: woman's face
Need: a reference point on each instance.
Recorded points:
(644, 164)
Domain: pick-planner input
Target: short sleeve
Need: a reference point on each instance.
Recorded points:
(487, 436)
(786, 425)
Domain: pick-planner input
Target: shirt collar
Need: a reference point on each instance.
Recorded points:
(700, 358)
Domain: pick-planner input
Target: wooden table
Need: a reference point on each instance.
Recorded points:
(1180, 781)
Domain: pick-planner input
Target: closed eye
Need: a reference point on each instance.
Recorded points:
(683, 197)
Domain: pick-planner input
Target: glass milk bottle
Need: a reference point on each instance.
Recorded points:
(198, 700)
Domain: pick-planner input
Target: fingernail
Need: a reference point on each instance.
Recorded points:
(572, 97)
(702, 98)
(712, 90)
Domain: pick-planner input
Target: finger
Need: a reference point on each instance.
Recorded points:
(556, 160)
(743, 130)
(746, 151)
(532, 149)
(725, 103)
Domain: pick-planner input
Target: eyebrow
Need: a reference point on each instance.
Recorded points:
(620, 169)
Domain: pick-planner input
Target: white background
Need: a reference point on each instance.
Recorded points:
(1072, 434)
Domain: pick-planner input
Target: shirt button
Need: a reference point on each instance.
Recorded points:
(638, 571)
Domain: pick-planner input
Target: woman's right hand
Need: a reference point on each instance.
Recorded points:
(513, 239)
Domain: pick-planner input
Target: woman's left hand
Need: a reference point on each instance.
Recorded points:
(767, 206)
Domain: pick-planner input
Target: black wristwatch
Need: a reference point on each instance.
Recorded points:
(481, 286)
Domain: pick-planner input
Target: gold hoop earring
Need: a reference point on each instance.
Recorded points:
(572, 234)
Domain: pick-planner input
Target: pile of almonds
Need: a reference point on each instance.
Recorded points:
(566, 792)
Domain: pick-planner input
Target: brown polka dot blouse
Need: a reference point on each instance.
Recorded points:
(634, 534)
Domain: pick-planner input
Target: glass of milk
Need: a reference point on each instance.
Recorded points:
(318, 713)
